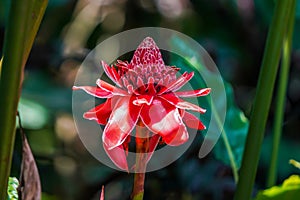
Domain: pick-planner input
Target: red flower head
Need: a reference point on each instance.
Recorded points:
(145, 90)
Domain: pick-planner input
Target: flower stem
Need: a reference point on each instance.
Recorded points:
(232, 159)
(10, 81)
(280, 100)
(22, 25)
(263, 99)
(142, 147)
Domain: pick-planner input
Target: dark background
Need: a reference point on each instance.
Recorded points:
(234, 34)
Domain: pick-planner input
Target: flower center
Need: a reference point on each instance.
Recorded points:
(145, 79)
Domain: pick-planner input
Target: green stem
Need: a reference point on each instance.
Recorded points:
(23, 22)
(10, 86)
(227, 145)
(263, 98)
(280, 100)
(0, 66)
(36, 12)
(231, 157)
(142, 147)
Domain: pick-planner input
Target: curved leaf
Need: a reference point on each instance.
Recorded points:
(236, 127)
(34, 115)
(289, 190)
(12, 189)
(230, 148)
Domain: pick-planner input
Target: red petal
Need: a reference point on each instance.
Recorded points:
(95, 91)
(111, 73)
(140, 84)
(194, 93)
(164, 119)
(179, 103)
(181, 81)
(170, 97)
(121, 122)
(115, 74)
(110, 88)
(189, 106)
(177, 137)
(151, 89)
(117, 156)
(192, 121)
(141, 99)
(177, 84)
(147, 53)
(154, 140)
(100, 113)
(130, 89)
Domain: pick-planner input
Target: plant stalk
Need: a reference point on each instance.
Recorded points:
(23, 22)
(263, 99)
(233, 164)
(142, 148)
(280, 99)
(10, 82)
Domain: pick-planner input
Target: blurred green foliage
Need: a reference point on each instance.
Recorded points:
(231, 31)
(289, 190)
(34, 115)
(12, 190)
(236, 126)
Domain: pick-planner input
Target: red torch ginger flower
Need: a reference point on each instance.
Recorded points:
(145, 90)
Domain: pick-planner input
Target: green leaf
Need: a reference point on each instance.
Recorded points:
(298, 9)
(33, 115)
(288, 149)
(230, 146)
(236, 126)
(34, 18)
(264, 9)
(12, 191)
(39, 87)
(289, 190)
(10, 81)
(295, 163)
(22, 25)
(4, 4)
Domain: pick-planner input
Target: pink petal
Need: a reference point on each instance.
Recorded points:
(110, 88)
(177, 84)
(140, 84)
(102, 193)
(122, 120)
(115, 74)
(164, 119)
(194, 93)
(100, 113)
(141, 99)
(130, 89)
(151, 89)
(95, 91)
(179, 103)
(189, 106)
(170, 97)
(178, 137)
(117, 156)
(111, 73)
(147, 53)
(125, 82)
(181, 81)
(192, 121)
